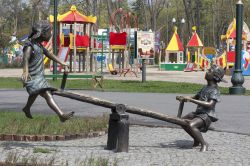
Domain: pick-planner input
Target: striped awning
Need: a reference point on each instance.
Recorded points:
(72, 16)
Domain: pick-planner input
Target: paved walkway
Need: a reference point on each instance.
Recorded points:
(148, 146)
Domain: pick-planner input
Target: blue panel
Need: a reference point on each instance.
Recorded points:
(245, 63)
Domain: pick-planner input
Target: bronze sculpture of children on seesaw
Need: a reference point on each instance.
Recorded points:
(206, 99)
(33, 70)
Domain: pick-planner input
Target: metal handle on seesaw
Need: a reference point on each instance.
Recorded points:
(180, 109)
(64, 79)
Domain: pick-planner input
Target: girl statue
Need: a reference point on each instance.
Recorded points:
(33, 70)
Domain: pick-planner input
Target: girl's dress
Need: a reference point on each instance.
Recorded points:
(37, 82)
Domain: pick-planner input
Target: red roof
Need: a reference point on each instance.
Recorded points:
(181, 48)
(233, 34)
(74, 15)
(195, 41)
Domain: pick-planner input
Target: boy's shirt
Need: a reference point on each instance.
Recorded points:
(208, 93)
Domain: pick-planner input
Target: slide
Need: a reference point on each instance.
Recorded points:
(62, 55)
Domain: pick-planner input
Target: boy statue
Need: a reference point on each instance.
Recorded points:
(206, 99)
(33, 70)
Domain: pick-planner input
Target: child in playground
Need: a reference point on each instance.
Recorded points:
(33, 70)
(206, 99)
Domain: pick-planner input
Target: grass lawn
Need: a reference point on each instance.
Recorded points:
(121, 86)
(17, 123)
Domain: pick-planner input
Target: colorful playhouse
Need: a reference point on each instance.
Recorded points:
(74, 33)
(195, 52)
(174, 59)
(230, 40)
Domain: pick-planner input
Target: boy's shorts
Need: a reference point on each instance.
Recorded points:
(205, 118)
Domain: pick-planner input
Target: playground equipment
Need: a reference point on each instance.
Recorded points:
(194, 50)
(209, 54)
(74, 32)
(220, 59)
(112, 70)
(121, 23)
(230, 39)
(63, 54)
(99, 50)
(174, 59)
(13, 53)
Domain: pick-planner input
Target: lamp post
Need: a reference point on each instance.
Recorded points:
(182, 22)
(182, 25)
(237, 78)
(162, 46)
(174, 24)
(54, 38)
(173, 21)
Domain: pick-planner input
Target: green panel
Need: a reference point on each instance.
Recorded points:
(173, 67)
(4, 59)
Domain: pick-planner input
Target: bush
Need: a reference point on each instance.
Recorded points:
(14, 64)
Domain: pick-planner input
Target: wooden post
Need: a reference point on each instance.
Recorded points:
(91, 47)
(91, 62)
(79, 62)
(70, 61)
(84, 61)
(120, 60)
(87, 57)
(113, 58)
(74, 64)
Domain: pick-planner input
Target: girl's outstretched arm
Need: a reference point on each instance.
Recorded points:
(53, 57)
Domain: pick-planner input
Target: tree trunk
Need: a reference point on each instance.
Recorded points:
(188, 16)
(145, 14)
(109, 10)
(198, 24)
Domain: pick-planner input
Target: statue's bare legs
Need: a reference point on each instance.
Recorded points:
(52, 104)
(188, 119)
(29, 103)
(196, 142)
(193, 130)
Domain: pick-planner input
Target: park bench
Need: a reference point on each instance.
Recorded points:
(97, 80)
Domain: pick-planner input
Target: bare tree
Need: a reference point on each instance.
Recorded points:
(189, 15)
(40, 9)
(139, 7)
(11, 11)
(116, 6)
(198, 14)
(155, 7)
